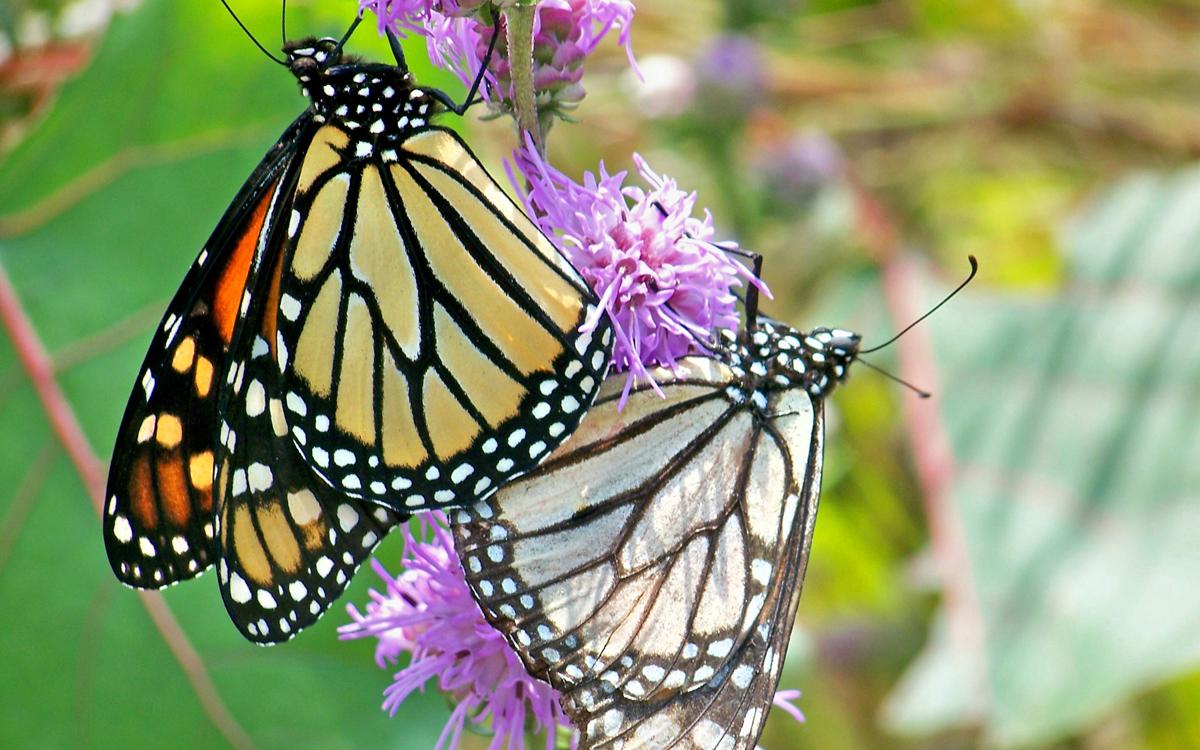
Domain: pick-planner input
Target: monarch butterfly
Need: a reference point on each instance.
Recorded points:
(650, 569)
(374, 327)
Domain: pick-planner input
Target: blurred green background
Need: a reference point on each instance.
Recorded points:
(1012, 564)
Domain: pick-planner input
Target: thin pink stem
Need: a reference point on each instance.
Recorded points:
(933, 455)
(37, 365)
(66, 428)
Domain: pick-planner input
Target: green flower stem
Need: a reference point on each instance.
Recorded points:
(519, 20)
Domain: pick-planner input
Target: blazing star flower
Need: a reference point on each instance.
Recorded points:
(427, 611)
(660, 278)
(565, 32)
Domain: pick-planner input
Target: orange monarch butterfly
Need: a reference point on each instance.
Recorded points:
(651, 568)
(373, 328)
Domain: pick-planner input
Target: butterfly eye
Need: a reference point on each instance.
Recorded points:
(844, 342)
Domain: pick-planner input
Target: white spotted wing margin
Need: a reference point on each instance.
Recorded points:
(289, 544)
(650, 569)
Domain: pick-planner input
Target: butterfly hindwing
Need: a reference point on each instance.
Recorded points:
(727, 710)
(158, 505)
(651, 567)
(429, 333)
(289, 544)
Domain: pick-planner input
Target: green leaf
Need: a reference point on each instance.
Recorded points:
(1073, 420)
(101, 211)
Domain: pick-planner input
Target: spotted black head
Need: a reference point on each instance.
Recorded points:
(378, 105)
(308, 58)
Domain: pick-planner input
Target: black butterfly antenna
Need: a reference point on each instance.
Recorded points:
(251, 36)
(974, 270)
(920, 393)
(750, 301)
(283, 22)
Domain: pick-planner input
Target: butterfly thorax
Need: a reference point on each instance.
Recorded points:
(379, 105)
(776, 357)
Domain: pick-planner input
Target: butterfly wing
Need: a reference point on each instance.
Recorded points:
(729, 710)
(649, 569)
(158, 509)
(288, 543)
(429, 333)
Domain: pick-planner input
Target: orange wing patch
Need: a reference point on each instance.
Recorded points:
(251, 556)
(173, 489)
(232, 283)
(141, 486)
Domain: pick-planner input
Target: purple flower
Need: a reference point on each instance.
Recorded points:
(428, 612)
(660, 279)
(565, 33)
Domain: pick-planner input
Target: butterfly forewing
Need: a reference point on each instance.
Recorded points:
(159, 501)
(428, 333)
(650, 568)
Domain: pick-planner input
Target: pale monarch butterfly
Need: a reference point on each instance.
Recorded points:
(650, 569)
(374, 327)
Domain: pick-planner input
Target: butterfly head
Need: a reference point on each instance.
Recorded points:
(308, 58)
(378, 104)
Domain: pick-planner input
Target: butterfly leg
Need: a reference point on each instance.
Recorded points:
(397, 51)
(346, 37)
(445, 99)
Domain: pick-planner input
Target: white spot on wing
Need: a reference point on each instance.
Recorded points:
(238, 590)
(742, 676)
(289, 306)
(123, 531)
(347, 517)
(260, 477)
